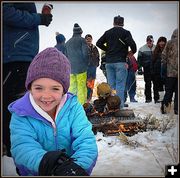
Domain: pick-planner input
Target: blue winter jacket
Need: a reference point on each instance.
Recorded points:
(32, 135)
(20, 32)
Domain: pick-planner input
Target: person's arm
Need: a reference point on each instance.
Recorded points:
(26, 151)
(130, 42)
(101, 42)
(164, 54)
(139, 61)
(85, 51)
(84, 144)
(23, 19)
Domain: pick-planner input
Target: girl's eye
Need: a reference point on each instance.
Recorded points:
(38, 88)
(56, 89)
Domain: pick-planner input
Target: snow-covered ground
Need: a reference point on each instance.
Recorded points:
(144, 154)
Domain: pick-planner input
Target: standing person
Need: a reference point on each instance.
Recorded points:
(50, 133)
(20, 45)
(92, 66)
(60, 42)
(78, 55)
(144, 60)
(170, 58)
(115, 43)
(130, 88)
(156, 69)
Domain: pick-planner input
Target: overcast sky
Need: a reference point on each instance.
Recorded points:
(141, 18)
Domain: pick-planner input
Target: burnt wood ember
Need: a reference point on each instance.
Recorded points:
(111, 123)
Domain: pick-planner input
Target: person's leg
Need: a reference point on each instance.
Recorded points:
(91, 76)
(155, 81)
(111, 75)
(14, 76)
(82, 87)
(126, 87)
(90, 87)
(132, 86)
(147, 80)
(73, 84)
(121, 76)
(169, 89)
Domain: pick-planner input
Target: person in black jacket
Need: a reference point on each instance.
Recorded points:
(158, 86)
(115, 43)
(20, 45)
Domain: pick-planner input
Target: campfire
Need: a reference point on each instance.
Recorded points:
(107, 117)
(111, 126)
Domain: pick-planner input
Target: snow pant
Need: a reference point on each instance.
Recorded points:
(171, 86)
(91, 76)
(78, 86)
(116, 78)
(148, 79)
(14, 76)
(130, 88)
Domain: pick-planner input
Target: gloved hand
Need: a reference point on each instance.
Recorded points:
(46, 19)
(68, 168)
(57, 163)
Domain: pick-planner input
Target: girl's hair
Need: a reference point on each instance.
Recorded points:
(158, 49)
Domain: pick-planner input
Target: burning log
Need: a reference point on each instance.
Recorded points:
(109, 124)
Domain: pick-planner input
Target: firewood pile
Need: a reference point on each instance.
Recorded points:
(107, 117)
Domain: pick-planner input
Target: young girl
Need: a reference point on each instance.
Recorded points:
(50, 133)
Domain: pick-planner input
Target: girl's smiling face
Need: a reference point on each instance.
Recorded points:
(47, 94)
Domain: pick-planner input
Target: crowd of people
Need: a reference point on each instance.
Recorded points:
(45, 128)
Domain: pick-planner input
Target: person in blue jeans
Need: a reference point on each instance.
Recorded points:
(130, 88)
(115, 42)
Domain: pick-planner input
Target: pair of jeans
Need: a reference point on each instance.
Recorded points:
(116, 78)
(130, 88)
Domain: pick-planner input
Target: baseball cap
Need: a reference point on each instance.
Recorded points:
(149, 38)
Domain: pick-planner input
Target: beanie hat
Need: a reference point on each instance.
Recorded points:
(77, 29)
(60, 38)
(118, 20)
(50, 63)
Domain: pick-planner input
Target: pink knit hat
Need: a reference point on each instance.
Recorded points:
(50, 63)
